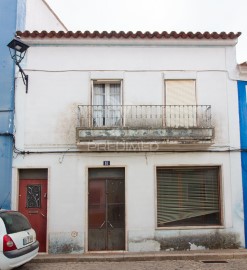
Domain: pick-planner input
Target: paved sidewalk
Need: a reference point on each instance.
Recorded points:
(212, 255)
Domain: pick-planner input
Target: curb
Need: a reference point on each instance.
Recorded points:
(144, 256)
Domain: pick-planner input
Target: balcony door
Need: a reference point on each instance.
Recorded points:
(107, 103)
(106, 209)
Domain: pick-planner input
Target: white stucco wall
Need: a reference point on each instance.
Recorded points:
(46, 118)
(67, 193)
(39, 17)
(70, 69)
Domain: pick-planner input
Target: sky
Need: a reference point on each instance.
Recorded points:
(156, 15)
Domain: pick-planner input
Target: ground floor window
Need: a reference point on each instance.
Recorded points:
(188, 196)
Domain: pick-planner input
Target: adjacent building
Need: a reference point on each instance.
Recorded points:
(129, 141)
(242, 89)
(15, 15)
(7, 28)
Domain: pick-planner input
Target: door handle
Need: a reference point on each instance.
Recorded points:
(42, 215)
(110, 224)
(102, 224)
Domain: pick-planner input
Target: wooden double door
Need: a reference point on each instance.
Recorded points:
(106, 209)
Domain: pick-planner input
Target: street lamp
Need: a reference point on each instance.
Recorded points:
(18, 50)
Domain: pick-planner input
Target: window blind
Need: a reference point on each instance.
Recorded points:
(188, 196)
(180, 92)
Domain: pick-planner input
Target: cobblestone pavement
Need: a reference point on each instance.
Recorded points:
(233, 264)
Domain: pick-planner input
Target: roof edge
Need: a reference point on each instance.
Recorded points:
(54, 14)
(128, 35)
(244, 64)
(243, 68)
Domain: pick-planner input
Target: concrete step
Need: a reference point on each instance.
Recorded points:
(142, 256)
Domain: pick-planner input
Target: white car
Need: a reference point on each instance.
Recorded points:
(18, 243)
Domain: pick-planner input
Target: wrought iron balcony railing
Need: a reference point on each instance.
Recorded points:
(144, 116)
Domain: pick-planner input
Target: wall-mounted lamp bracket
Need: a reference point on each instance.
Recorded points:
(24, 77)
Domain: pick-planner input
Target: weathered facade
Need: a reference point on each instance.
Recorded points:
(128, 141)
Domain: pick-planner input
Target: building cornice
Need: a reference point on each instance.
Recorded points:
(129, 38)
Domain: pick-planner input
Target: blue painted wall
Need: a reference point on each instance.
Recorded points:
(12, 15)
(242, 97)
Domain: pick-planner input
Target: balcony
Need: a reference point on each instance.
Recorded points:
(135, 123)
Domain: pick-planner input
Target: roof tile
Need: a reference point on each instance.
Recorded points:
(128, 35)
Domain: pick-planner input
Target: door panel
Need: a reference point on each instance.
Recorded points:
(33, 204)
(96, 215)
(116, 214)
(106, 214)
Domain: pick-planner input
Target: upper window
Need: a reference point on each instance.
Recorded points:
(188, 196)
(107, 101)
(180, 92)
(180, 101)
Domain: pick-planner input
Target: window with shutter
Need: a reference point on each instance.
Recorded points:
(188, 196)
(180, 100)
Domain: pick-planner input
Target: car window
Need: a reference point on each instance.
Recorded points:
(15, 222)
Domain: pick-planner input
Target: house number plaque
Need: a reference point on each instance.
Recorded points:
(106, 163)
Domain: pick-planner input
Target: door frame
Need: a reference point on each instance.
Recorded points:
(86, 207)
(15, 190)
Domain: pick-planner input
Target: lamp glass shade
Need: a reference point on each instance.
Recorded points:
(18, 45)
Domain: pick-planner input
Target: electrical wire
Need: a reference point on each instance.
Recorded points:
(68, 151)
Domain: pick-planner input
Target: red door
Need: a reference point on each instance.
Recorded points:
(106, 215)
(33, 204)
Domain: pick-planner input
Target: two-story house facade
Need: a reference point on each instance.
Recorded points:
(128, 141)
